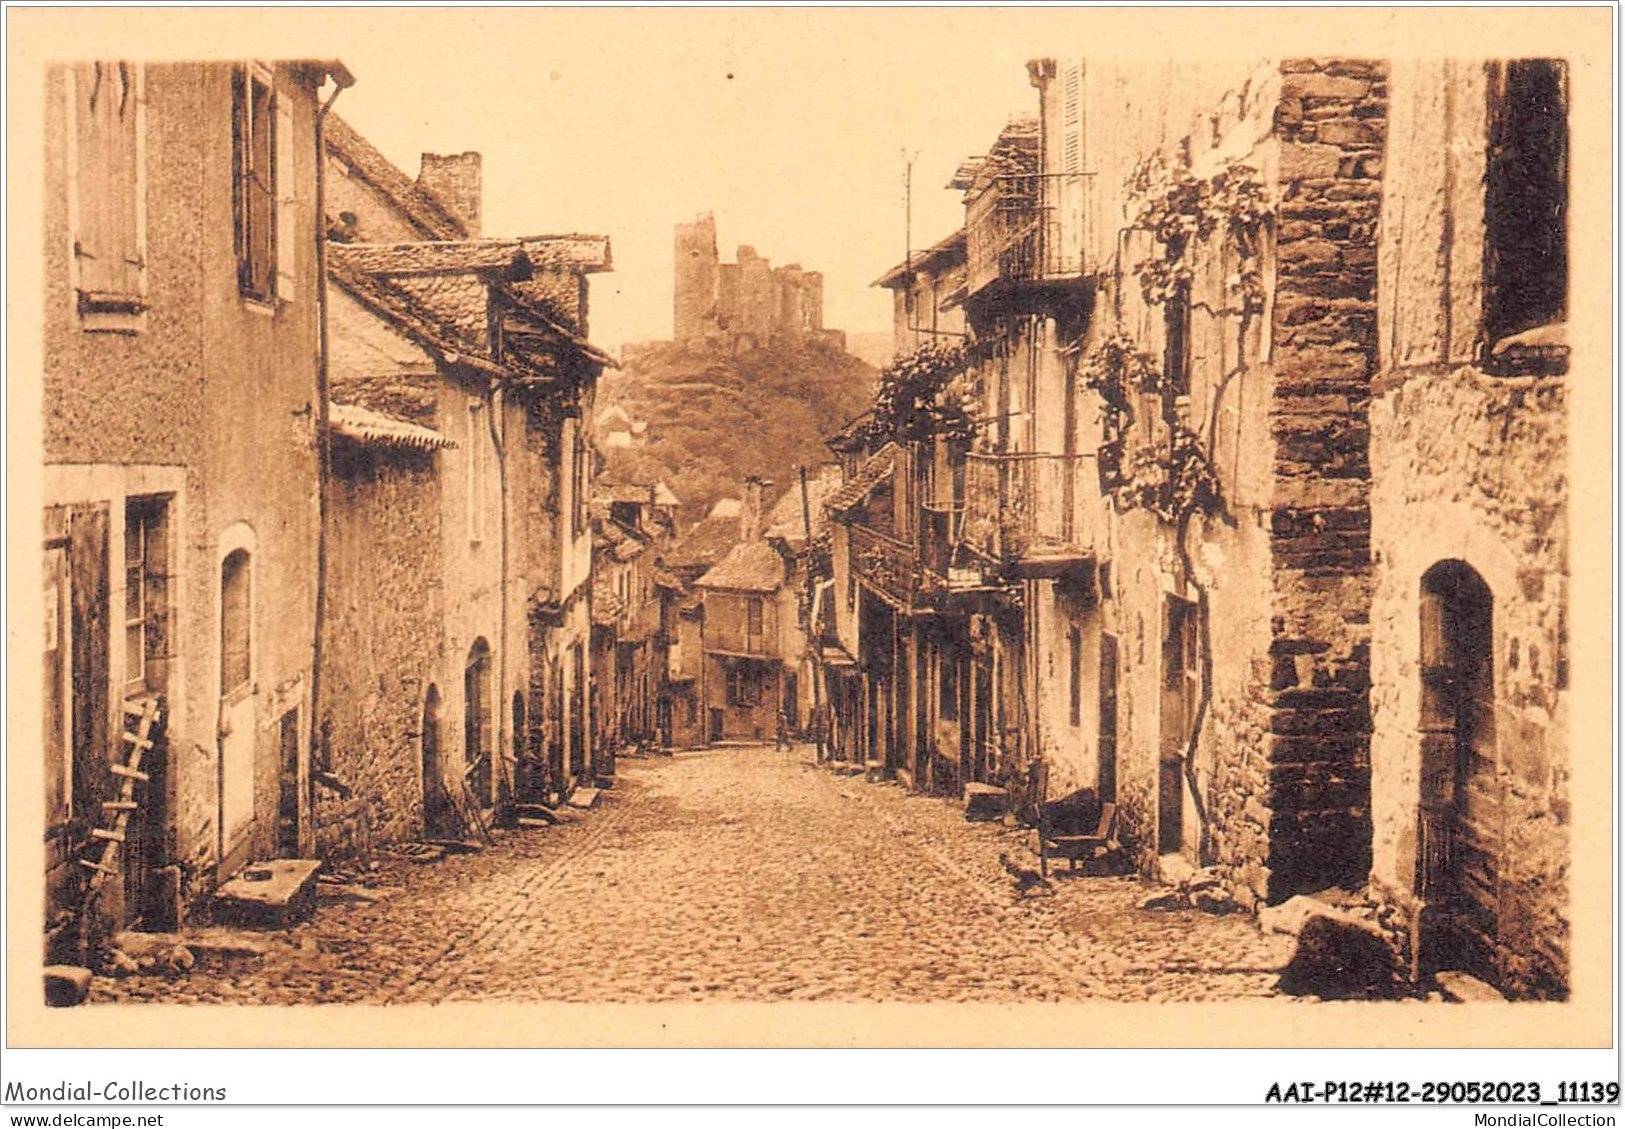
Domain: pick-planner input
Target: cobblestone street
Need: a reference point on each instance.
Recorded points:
(738, 874)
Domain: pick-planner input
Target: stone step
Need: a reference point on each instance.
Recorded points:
(269, 895)
(457, 846)
(584, 799)
(66, 985)
(535, 811)
(1459, 987)
(985, 803)
(526, 823)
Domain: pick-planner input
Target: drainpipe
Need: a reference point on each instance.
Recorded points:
(498, 402)
(342, 81)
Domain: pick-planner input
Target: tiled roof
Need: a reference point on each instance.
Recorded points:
(850, 437)
(623, 492)
(664, 496)
(877, 469)
(455, 298)
(421, 206)
(945, 252)
(704, 543)
(785, 520)
(752, 567)
(423, 325)
(586, 254)
(374, 429)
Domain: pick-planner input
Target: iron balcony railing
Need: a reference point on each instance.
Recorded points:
(1032, 507)
(1026, 228)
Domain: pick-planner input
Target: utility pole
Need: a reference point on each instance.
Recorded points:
(813, 641)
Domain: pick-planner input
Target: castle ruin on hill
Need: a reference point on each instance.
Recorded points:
(746, 302)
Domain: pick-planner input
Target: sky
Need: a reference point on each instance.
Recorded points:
(790, 125)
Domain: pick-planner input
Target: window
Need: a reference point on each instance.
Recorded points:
(145, 622)
(1526, 198)
(1176, 347)
(582, 481)
(263, 205)
(236, 643)
(147, 616)
(753, 617)
(744, 688)
(475, 468)
(1074, 643)
(108, 213)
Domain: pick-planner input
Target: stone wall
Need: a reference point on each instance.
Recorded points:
(1469, 467)
(1472, 467)
(382, 635)
(1330, 124)
(222, 388)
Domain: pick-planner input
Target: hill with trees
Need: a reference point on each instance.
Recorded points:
(715, 416)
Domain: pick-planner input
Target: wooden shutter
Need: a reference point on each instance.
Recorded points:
(287, 203)
(92, 246)
(1072, 118)
(122, 119)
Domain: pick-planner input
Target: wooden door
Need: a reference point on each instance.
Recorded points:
(238, 707)
(1178, 704)
(1107, 780)
(1459, 832)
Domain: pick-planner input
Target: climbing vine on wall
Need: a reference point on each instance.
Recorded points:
(1180, 209)
(926, 394)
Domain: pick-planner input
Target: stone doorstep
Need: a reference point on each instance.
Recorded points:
(456, 846)
(220, 944)
(270, 893)
(985, 803)
(584, 799)
(350, 891)
(528, 823)
(66, 985)
(1460, 988)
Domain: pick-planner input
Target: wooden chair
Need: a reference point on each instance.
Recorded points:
(1102, 841)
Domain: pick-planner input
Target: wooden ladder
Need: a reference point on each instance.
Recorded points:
(112, 837)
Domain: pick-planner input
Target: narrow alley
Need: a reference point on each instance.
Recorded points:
(736, 874)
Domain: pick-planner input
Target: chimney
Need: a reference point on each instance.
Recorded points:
(454, 180)
(750, 509)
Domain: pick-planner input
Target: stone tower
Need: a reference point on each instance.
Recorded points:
(694, 279)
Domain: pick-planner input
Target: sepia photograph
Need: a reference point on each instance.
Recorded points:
(629, 515)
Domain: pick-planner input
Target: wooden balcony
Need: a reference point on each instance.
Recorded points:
(1026, 231)
(1039, 515)
(892, 569)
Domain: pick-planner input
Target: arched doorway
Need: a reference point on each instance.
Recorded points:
(238, 705)
(437, 816)
(1458, 834)
(477, 743)
(527, 763)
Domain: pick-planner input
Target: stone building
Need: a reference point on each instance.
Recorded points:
(183, 393)
(747, 611)
(747, 302)
(1242, 506)
(921, 289)
(1469, 521)
(633, 526)
(693, 554)
(464, 686)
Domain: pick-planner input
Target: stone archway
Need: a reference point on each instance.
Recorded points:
(1458, 834)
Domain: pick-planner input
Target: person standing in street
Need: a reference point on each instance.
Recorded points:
(781, 736)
